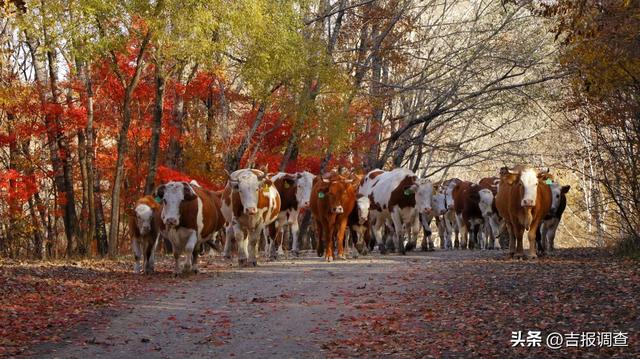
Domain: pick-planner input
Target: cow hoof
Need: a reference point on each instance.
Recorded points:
(227, 256)
(252, 263)
(242, 263)
(533, 256)
(342, 257)
(295, 253)
(329, 259)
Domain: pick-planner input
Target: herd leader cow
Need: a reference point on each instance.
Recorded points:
(346, 206)
(523, 200)
(249, 203)
(189, 218)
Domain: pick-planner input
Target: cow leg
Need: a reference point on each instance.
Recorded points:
(519, 234)
(551, 234)
(377, 226)
(176, 256)
(532, 234)
(511, 232)
(399, 232)
(194, 257)
(495, 232)
(540, 239)
(286, 236)
(241, 239)
(137, 253)
(148, 254)
(329, 235)
(319, 239)
(252, 247)
(295, 230)
(342, 227)
(230, 236)
(274, 236)
(426, 226)
(189, 249)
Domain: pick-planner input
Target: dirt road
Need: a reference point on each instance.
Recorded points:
(443, 303)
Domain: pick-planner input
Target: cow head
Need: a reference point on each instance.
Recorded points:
(557, 192)
(144, 218)
(247, 183)
(363, 203)
(333, 191)
(423, 192)
(304, 182)
(486, 202)
(448, 193)
(438, 204)
(172, 195)
(527, 180)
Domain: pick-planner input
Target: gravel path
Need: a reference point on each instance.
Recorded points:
(421, 304)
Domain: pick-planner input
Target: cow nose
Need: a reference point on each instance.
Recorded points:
(171, 221)
(527, 203)
(305, 204)
(338, 209)
(251, 210)
(427, 210)
(443, 211)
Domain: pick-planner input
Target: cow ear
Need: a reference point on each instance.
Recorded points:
(565, 189)
(267, 182)
(289, 182)
(159, 192)
(189, 193)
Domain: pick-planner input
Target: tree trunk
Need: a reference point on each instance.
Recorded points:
(174, 155)
(155, 132)
(64, 181)
(232, 161)
(123, 141)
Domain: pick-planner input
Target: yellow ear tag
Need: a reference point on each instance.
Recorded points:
(287, 185)
(265, 189)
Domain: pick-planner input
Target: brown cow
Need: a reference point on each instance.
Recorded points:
(523, 200)
(332, 200)
(468, 215)
(144, 226)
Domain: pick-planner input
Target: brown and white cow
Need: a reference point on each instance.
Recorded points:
(398, 195)
(295, 193)
(523, 200)
(547, 230)
(492, 221)
(249, 203)
(189, 218)
(468, 215)
(333, 197)
(144, 226)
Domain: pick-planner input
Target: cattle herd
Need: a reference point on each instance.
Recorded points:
(352, 214)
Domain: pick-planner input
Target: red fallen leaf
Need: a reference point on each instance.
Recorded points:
(172, 317)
